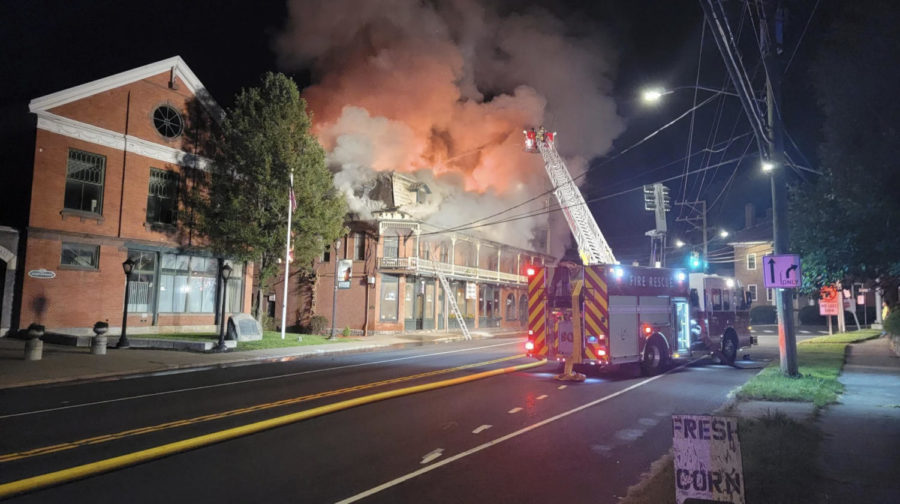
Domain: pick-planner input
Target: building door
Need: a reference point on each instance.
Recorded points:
(428, 318)
(420, 310)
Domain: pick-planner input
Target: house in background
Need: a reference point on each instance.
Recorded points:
(111, 158)
(750, 244)
(394, 284)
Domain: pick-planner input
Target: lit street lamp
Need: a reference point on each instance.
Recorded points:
(226, 272)
(655, 94)
(679, 244)
(127, 267)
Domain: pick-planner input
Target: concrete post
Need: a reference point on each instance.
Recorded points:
(34, 347)
(98, 342)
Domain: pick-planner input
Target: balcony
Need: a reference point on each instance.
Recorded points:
(418, 266)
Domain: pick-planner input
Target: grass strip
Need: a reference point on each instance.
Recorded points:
(819, 363)
(270, 339)
(776, 453)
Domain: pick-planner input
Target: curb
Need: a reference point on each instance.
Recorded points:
(245, 361)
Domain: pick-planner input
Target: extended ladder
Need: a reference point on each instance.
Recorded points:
(592, 246)
(452, 300)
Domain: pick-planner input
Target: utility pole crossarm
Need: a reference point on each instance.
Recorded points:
(592, 246)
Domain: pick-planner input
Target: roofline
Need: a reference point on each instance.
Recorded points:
(755, 242)
(175, 63)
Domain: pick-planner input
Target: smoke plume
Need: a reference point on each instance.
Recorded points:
(441, 90)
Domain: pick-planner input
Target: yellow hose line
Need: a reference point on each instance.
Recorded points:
(111, 464)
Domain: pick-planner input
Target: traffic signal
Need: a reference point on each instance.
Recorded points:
(695, 261)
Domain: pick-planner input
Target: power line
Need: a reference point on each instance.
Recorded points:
(794, 53)
(473, 225)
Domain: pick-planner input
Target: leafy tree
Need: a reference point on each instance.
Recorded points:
(243, 206)
(846, 223)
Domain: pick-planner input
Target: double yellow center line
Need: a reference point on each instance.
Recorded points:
(45, 450)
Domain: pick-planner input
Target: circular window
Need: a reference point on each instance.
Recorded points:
(167, 121)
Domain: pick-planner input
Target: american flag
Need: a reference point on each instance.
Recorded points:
(293, 200)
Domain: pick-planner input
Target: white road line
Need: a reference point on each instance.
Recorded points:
(432, 455)
(541, 397)
(514, 410)
(561, 387)
(458, 456)
(251, 380)
(481, 429)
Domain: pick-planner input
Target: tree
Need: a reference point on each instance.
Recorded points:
(243, 206)
(843, 223)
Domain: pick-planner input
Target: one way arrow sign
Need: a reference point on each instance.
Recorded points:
(781, 271)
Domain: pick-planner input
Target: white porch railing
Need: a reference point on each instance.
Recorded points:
(415, 265)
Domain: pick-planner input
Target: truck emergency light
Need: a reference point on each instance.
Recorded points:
(530, 272)
(647, 329)
(529, 345)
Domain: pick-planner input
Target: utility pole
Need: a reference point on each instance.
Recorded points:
(769, 137)
(772, 44)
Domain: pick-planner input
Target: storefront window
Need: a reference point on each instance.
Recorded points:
(187, 284)
(390, 286)
(511, 307)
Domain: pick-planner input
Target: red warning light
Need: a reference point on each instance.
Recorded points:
(647, 329)
(530, 271)
(529, 345)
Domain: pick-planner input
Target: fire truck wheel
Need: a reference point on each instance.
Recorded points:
(655, 357)
(729, 348)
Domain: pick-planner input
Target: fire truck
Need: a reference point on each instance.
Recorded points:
(602, 313)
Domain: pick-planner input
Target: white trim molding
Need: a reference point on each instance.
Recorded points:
(175, 65)
(107, 138)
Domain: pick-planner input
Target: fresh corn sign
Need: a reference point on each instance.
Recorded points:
(707, 458)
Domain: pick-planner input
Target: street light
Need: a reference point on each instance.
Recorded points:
(127, 267)
(767, 166)
(654, 95)
(226, 272)
(679, 244)
(723, 234)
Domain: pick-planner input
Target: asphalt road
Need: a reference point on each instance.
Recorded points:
(516, 437)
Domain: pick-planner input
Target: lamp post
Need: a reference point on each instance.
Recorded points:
(226, 272)
(127, 267)
(337, 245)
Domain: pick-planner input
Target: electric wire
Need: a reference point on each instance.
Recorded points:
(797, 46)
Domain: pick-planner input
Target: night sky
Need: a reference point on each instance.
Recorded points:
(52, 45)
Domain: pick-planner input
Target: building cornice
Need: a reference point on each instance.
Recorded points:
(175, 65)
(107, 138)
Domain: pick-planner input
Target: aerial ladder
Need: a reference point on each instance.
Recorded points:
(592, 246)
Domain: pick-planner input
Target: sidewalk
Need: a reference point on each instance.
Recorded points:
(861, 449)
(64, 363)
(860, 452)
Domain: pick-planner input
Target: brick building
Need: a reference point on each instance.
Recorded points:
(394, 284)
(111, 158)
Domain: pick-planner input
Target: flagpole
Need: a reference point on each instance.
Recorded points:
(287, 257)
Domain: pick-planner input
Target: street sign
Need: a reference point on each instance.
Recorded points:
(781, 271)
(344, 272)
(42, 273)
(829, 301)
(707, 458)
(471, 290)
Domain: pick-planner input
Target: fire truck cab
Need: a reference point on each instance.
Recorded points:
(720, 315)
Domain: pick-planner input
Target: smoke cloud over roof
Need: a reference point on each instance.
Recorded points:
(441, 90)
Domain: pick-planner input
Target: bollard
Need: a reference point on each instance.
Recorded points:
(98, 342)
(34, 347)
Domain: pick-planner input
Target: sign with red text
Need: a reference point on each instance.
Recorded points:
(707, 458)
(829, 301)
